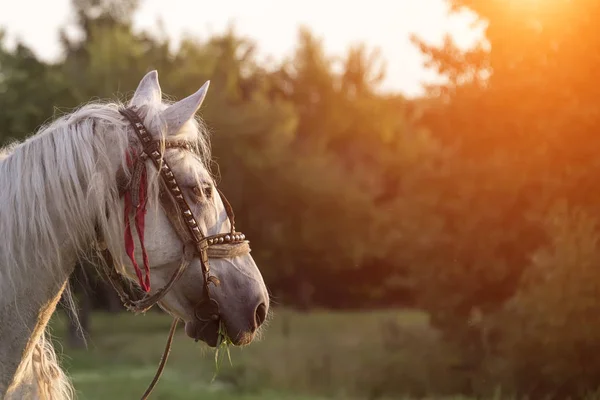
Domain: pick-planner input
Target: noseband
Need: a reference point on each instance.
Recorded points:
(173, 202)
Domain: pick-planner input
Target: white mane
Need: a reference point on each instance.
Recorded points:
(42, 377)
(58, 181)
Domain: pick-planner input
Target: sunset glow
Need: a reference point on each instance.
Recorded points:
(543, 6)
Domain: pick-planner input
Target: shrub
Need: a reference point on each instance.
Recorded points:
(549, 328)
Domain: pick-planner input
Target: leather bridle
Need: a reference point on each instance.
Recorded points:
(179, 213)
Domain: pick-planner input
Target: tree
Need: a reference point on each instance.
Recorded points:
(520, 111)
(29, 88)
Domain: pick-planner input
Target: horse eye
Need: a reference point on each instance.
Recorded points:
(201, 192)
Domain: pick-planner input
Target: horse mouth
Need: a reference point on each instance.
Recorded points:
(208, 332)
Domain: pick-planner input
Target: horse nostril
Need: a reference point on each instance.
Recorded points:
(260, 314)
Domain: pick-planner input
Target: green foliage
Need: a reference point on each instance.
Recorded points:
(295, 145)
(29, 89)
(551, 317)
(520, 110)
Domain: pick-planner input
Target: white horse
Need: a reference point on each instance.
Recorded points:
(59, 194)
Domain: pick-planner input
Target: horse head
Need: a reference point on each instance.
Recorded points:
(187, 255)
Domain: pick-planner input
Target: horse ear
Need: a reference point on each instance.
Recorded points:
(148, 90)
(179, 113)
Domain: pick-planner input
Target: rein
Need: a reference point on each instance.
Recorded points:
(195, 243)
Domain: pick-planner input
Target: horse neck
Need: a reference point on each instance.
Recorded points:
(30, 291)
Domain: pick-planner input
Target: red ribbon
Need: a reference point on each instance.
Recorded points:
(140, 215)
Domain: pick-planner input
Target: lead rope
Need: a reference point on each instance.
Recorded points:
(163, 360)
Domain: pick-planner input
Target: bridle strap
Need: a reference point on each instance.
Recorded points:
(177, 208)
(146, 303)
(195, 244)
(151, 150)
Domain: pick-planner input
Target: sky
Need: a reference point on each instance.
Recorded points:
(273, 25)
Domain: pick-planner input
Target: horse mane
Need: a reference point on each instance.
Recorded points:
(61, 163)
(57, 181)
(42, 376)
(65, 161)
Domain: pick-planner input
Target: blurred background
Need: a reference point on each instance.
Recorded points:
(419, 181)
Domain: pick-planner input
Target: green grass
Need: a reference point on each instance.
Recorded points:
(318, 355)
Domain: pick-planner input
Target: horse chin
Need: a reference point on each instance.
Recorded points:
(208, 332)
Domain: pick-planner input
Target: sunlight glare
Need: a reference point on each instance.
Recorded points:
(537, 5)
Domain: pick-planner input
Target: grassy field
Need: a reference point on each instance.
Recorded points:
(317, 355)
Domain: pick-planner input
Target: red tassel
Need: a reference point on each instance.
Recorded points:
(140, 214)
(140, 222)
